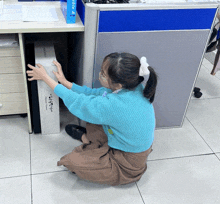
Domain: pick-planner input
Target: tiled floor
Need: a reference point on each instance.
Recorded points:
(184, 167)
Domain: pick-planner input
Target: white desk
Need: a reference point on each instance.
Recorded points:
(36, 27)
(20, 27)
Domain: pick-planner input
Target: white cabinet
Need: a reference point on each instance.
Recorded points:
(12, 89)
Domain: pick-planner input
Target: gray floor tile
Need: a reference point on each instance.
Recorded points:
(46, 150)
(16, 190)
(15, 150)
(205, 61)
(178, 142)
(66, 188)
(192, 180)
(205, 118)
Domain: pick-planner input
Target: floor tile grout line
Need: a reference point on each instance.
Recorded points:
(217, 156)
(15, 176)
(33, 174)
(197, 99)
(49, 172)
(200, 134)
(140, 192)
(181, 157)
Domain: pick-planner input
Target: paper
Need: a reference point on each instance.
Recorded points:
(11, 13)
(39, 13)
(8, 40)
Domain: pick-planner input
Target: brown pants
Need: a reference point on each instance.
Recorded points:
(99, 163)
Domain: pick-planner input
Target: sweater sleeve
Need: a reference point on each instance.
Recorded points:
(89, 108)
(89, 91)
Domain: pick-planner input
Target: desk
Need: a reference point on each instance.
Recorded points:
(20, 28)
(37, 27)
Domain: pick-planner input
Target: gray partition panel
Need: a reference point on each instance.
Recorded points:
(175, 56)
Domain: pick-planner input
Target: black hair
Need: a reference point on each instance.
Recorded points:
(124, 68)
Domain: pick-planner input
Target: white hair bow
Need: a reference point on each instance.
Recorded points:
(144, 71)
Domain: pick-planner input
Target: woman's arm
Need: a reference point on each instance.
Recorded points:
(60, 76)
(50, 82)
(67, 84)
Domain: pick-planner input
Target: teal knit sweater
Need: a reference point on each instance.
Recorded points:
(127, 117)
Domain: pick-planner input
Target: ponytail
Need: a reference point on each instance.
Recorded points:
(124, 68)
(150, 88)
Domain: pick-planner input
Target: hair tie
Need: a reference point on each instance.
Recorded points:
(144, 71)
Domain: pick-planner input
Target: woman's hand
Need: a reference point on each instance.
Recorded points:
(59, 75)
(36, 73)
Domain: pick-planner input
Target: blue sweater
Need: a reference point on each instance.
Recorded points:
(127, 117)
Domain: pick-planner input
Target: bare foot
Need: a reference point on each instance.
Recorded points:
(84, 139)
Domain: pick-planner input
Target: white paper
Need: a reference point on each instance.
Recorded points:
(39, 13)
(8, 40)
(11, 13)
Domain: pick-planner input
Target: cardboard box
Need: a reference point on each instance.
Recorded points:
(48, 100)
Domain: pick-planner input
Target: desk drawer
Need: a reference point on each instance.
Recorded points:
(10, 65)
(10, 51)
(13, 103)
(11, 83)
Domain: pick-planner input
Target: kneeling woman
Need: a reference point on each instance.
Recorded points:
(120, 119)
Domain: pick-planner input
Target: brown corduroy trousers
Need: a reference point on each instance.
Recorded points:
(99, 163)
